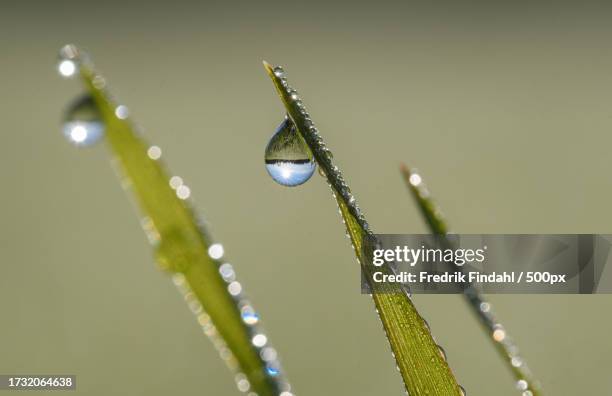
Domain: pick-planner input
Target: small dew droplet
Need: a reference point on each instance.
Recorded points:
(288, 159)
(442, 352)
(272, 370)
(83, 124)
(522, 385)
(183, 192)
(122, 112)
(499, 334)
(234, 288)
(268, 354)
(243, 385)
(67, 68)
(227, 272)
(249, 316)
(215, 251)
(415, 179)
(176, 182)
(259, 340)
(154, 152)
(279, 72)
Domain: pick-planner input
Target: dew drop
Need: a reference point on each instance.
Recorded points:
(499, 334)
(122, 112)
(249, 316)
(415, 179)
(68, 65)
(243, 384)
(154, 152)
(67, 68)
(279, 72)
(82, 125)
(259, 340)
(288, 159)
(215, 251)
(227, 272)
(234, 288)
(176, 182)
(268, 354)
(522, 385)
(272, 370)
(442, 352)
(183, 192)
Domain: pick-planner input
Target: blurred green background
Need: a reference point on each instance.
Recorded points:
(504, 107)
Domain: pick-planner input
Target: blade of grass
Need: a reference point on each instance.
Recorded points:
(507, 349)
(422, 367)
(183, 247)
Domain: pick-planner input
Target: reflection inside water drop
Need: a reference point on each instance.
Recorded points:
(83, 124)
(288, 159)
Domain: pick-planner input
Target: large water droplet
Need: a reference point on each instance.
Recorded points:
(289, 161)
(83, 124)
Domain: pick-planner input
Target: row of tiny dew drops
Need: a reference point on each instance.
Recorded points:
(484, 310)
(333, 175)
(83, 126)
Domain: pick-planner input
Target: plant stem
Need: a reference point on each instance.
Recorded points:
(183, 247)
(423, 368)
(505, 346)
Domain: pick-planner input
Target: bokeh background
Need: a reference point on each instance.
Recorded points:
(504, 106)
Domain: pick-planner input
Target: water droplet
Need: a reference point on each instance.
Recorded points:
(227, 272)
(122, 112)
(499, 334)
(83, 124)
(176, 182)
(522, 385)
(249, 316)
(183, 192)
(234, 288)
(279, 72)
(259, 340)
(272, 370)
(442, 352)
(154, 152)
(243, 384)
(215, 251)
(289, 161)
(99, 82)
(67, 68)
(269, 354)
(415, 179)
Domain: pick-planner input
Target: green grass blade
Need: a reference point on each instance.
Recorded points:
(182, 245)
(506, 348)
(421, 365)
